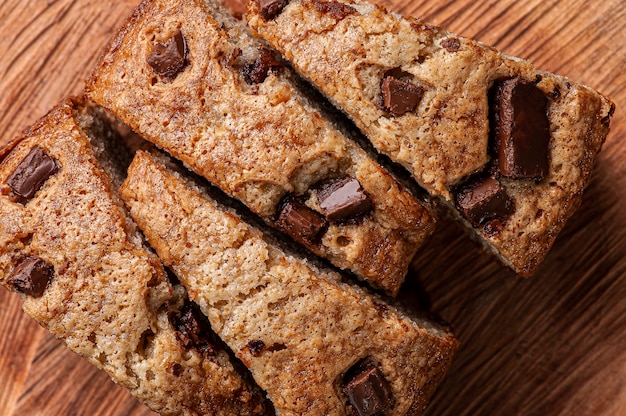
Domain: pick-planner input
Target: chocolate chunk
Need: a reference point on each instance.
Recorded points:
(300, 222)
(193, 329)
(451, 44)
(493, 227)
(400, 97)
(256, 347)
(32, 276)
(256, 72)
(32, 172)
(521, 130)
(343, 199)
(170, 58)
(368, 390)
(271, 8)
(176, 369)
(335, 9)
(484, 200)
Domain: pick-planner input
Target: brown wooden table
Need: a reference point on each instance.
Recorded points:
(551, 345)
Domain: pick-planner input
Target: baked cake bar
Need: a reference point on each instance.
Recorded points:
(316, 345)
(68, 246)
(186, 76)
(507, 147)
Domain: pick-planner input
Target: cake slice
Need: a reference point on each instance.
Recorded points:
(315, 344)
(69, 247)
(507, 147)
(187, 77)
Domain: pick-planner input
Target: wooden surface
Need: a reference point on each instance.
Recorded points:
(551, 345)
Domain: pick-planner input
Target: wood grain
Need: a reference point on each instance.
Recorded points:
(551, 345)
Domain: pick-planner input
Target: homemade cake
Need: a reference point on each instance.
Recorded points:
(316, 345)
(507, 147)
(68, 246)
(186, 76)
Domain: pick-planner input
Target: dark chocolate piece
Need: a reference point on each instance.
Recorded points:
(193, 329)
(343, 199)
(368, 391)
(521, 129)
(257, 71)
(170, 58)
(256, 347)
(335, 9)
(493, 227)
(32, 172)
(484, 200)
(32, 276)
(451, 44)
(271, 8)
(400, 97)
(176, 369)
(300, 222)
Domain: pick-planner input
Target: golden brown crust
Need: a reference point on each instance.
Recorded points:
(298, 328)
(446, 138)
(257, 142)
(109, 298)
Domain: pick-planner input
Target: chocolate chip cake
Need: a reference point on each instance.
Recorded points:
(186, 76)
(69, 248)
(507, 147)
(315, 344)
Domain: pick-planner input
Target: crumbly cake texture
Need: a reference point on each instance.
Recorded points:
(317, 346)
(187, 76)
(68, 245)
(422, 96)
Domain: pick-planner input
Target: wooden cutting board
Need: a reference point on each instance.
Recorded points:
(551, 345)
